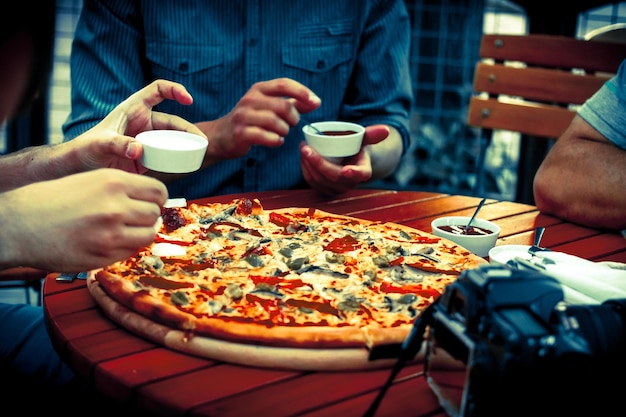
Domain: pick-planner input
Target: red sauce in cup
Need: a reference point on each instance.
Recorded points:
(338, 132)
(460, 230)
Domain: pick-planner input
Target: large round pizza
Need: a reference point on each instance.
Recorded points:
(296, 288)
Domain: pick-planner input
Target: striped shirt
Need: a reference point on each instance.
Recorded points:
(354, 54)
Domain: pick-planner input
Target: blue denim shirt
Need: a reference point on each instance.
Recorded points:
(605, 111)
(354, 54)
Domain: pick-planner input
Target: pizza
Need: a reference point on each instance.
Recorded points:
(236, 280)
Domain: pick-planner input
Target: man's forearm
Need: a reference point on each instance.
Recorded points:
(385, 156)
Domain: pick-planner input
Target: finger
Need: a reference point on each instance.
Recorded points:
(158, 90)
(172, 122)
(305, 99)
(358, 169)
(141, 213)
(254, 135)
(144, 188)
(127, 245)
(120, 146)
(355, 175)
(375, 134)
(138, 237)
(314, 161)
(267, 111)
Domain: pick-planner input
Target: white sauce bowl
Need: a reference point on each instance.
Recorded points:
(172, 151)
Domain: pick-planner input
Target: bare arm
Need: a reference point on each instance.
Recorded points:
(583, 179)
(55, 216)
(109, 144)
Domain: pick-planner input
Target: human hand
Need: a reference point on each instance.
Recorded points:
(79, 222)
(330, 177)
(262, 117)
(111, 143)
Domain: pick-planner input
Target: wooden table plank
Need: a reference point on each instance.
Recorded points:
(53, 286)
(87, 352)
(322, 388)
(595, 246)
(84, 323)
(410, 397)
(120, 377)
(69, 301)
(176, 395)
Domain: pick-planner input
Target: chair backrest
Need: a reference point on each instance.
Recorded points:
(533, 84)
(528, 83)
(615, 32)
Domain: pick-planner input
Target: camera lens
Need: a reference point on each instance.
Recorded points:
(603, 327)
(596, 379)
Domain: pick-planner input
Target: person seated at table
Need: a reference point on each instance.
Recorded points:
(73, 206)
(253, 70)
(583, 177)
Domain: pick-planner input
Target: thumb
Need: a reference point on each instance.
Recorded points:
(375, 134)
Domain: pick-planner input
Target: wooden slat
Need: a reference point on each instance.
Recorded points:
(114, 377)
(555, 51)
(412, 397)
(176, 395)
(552, 86)
(535, 120)
(22, 273)
(279, 399)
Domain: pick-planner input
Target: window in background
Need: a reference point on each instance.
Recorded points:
(502, 155)
(60, 89)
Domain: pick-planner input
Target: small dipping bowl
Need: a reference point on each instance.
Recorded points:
(340, 139)
(172, 151)
(479, 244)
(500, 255)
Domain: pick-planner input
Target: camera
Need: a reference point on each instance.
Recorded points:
(501, 341)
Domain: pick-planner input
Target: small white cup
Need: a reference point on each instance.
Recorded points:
(500, 255)
(477, 244)
(335, 142)
(172, 151)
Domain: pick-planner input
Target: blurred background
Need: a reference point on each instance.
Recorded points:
(445, 42)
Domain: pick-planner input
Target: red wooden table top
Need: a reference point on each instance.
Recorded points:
(135, 371)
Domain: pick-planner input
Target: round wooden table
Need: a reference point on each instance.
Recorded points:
(152, 378)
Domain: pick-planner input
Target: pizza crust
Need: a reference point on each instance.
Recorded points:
(305, 359)
(311, 337)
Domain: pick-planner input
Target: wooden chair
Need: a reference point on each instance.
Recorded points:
(532, 84)
(25, 278)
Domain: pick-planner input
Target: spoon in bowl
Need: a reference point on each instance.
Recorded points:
(480, 205)
(319, 132)
(538, 235)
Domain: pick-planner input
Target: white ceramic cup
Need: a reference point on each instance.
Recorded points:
(334, 145)
(172, 151)
(477, 244)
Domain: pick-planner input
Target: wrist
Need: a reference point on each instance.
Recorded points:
(11, 238)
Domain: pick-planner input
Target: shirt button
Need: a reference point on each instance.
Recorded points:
(184, 66)
(250, 162)
(321, 64)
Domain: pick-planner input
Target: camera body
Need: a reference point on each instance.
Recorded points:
(501, 341)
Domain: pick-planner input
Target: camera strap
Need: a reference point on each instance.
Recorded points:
(410, 347)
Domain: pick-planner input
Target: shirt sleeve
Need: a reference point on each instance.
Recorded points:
(605, 111)
(381, 91)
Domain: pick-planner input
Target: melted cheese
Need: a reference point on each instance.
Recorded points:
(239, 268)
